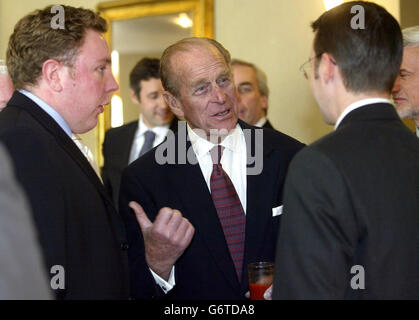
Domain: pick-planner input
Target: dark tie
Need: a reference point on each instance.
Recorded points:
(229, 209)
(148, 142)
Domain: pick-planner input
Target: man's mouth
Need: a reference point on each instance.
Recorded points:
(163, 114)
(398, 99)
(221, 114)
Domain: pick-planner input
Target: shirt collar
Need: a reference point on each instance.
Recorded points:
(50, 110)
(202, 146)
(159, 130)
(359, 104)
(261, 122)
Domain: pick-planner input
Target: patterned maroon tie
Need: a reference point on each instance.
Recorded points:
(229, 209)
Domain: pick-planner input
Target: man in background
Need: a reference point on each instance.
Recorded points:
(252, 93)
(63, 80)
(350, 222)
(406, 88)
(125, 144)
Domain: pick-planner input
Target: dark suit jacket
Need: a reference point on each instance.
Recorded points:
(78, 226)
(116, 151)
(352, 198)
(268, 125)
(205, 270)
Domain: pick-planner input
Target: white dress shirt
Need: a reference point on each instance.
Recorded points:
(137, 144)
(233, 161)
(359, 104)
(261, 122)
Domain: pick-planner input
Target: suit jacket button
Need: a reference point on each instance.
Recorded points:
(124, 246)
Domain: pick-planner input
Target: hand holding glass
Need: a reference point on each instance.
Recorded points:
(260, 278)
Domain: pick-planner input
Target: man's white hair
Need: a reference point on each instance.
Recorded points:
(3, 68)
(411, 37)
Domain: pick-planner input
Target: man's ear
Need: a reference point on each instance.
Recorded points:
(264, 103)
(173, 103)
(329, 68)
(133, 97)
(52, 72)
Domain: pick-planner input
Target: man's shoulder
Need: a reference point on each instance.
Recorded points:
(280, 139)
(273, 138)
(13, 115)
(121, 131)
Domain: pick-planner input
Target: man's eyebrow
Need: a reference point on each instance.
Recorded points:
(105, 60)
(405, 70)
(152, 93)
(245, 83)
(198, 82)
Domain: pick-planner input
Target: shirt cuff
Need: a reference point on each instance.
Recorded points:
(166, 286)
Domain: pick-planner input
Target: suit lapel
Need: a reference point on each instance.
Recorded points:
(128, 141)
(63, 139)
(187, 179)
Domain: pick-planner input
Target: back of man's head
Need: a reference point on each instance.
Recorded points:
(145, 69)
(36, 39)
(366, 43)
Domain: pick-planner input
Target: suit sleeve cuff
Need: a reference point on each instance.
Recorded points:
(166, 286)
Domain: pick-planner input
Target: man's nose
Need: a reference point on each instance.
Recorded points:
(238, 96)
(112, 84)
(219, 94)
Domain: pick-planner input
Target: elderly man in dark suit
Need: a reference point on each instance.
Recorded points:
(63, 79)
(350, 224)
(125, 144)
(212, 194)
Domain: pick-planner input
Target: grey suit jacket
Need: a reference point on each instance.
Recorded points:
(22, 273)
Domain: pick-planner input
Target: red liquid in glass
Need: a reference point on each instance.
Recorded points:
(257, 291)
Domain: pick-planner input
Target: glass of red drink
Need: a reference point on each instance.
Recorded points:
(260, 278)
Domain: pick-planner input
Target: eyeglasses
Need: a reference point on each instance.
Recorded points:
(305, 67)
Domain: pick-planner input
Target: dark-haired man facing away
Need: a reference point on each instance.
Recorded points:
(350, 227)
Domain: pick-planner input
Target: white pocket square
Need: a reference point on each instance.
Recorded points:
(277, 211)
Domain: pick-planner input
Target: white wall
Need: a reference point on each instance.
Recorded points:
(276, 35)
